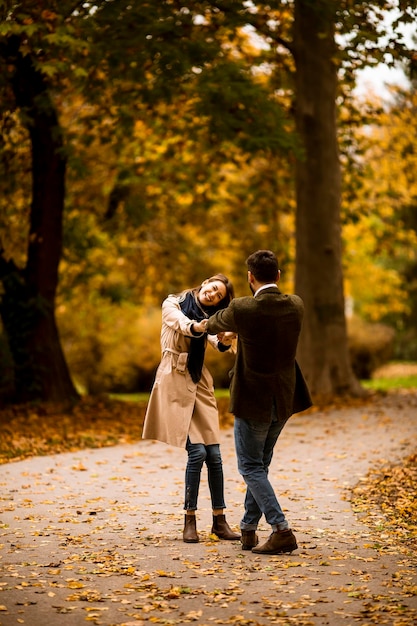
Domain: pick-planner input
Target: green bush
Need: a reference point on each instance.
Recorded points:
(370, 346)
(406, 345)
(111, 348)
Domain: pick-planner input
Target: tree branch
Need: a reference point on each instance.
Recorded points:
(260, 24)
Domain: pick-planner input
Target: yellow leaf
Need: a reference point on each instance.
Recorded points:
(164, 574)
(80, 467)
(194, 615)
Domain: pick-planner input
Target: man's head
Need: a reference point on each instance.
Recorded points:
(263, 268)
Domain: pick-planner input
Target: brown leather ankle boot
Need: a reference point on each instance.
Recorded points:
(279, 542)
(249, 539)
(222, 529)
(189, 534)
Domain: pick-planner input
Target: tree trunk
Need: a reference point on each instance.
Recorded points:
(28, 303)
(323, 349)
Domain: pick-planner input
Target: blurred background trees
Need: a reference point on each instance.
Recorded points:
(175, 128)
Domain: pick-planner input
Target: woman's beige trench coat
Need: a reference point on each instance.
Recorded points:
(177, 406)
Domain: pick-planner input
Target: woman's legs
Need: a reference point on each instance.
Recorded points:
(215, 477)
(216, 485)
(196, 457)
(198, 454)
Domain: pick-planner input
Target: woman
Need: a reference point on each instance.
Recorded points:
(182, 409)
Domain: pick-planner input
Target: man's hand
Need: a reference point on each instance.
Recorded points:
(226, 338)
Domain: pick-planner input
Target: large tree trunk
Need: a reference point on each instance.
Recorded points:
(323, 350)
(28, 304)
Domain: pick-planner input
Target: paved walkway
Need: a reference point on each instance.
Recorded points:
(95, 536)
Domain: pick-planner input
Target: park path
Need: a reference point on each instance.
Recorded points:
(95, 536)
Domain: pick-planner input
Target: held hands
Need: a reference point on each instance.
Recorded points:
(200, 327)
(226, 338)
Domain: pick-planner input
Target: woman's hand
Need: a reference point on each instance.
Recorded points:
(200, 327)
(226, 338)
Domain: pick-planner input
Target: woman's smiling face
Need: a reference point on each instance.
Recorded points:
(212, 293)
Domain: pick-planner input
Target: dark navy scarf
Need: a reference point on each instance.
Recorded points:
(192, 309)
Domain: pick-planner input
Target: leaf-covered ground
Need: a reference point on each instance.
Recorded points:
(387, 500)
(95, 535)
(96, 422)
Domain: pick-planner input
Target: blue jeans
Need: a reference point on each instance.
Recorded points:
(254, 442)
(198, 454)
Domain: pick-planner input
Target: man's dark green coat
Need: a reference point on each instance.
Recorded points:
(268, 328)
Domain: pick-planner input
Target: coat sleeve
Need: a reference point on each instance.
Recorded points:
(223, 320)
(174, 318)
(215, 343)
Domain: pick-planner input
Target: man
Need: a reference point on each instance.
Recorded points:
(267, 387)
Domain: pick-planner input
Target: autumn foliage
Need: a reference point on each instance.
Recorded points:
(135, 165)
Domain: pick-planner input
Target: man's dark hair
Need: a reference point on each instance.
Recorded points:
(264, 266)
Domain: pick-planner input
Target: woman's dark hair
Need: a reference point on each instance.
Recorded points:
(264, 265)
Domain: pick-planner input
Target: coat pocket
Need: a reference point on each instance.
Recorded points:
(181, 365)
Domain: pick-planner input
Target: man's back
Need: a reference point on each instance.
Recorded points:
(268, 327)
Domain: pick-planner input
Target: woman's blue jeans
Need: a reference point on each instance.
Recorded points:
(198, 454)
(254, 442)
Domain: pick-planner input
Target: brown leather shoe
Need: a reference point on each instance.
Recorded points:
(222, 529)
(249, 539)
(280, 541)
(189, 534)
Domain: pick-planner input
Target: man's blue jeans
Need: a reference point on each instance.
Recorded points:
(198, 454)
(254, 442)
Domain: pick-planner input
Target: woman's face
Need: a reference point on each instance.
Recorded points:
(211, 294)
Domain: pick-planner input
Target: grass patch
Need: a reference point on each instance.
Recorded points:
(388, 384)
(390, 377)
(130, 397)
(376, 384)
(144, 397)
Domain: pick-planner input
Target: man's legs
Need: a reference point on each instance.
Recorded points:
(255, 443)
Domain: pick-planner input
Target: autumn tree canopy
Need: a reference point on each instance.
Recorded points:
(126, 126)
(114, 55)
